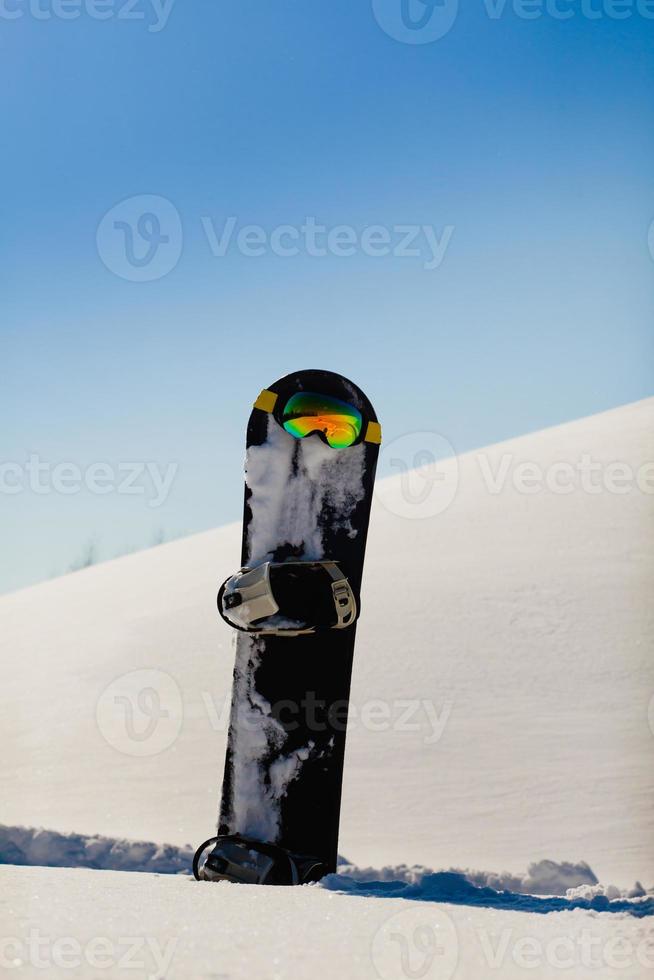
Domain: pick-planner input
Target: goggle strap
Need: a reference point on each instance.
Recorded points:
(373, 433)
(268, 399)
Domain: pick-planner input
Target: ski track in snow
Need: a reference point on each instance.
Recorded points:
(455, 889)
(48, 848)
(548, 886)
(283, 511)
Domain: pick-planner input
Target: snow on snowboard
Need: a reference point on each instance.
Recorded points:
(312, 445)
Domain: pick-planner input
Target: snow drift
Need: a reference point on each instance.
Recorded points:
(566, 886)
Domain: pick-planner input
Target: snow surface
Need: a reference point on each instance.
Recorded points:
(502, 713)
(74, 922)
(563, 885)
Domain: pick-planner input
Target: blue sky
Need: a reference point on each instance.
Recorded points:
(525, 146)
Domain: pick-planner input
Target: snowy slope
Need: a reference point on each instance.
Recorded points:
(502, 679)
(75, 922)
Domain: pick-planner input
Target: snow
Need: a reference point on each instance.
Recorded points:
(29, 845)
(501, 720)
(255, 803)
(76, 922)
(287, 510)
(575, 883)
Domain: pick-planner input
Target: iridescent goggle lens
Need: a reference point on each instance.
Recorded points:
(307, 412)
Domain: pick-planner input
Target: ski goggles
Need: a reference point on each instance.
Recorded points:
(340, 423)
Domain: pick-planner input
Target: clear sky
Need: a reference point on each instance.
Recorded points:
(521, 141)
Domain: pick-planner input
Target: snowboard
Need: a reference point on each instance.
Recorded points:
(304, 501)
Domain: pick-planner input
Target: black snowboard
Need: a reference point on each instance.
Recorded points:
(286, 743)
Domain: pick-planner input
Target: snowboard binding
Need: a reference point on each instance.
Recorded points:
(242, 860)
(288, 598)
